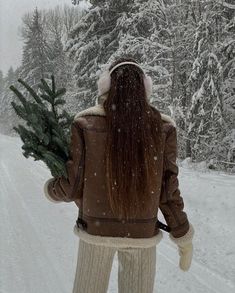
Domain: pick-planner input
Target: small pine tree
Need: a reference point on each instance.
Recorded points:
(46, 136)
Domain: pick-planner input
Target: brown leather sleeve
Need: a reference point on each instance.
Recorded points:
(171, 202)
(70, 189)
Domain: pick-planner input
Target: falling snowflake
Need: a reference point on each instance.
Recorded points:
(97, 223)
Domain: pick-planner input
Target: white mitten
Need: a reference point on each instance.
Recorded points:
(185, 248)
(186, 255)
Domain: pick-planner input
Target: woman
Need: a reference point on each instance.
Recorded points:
(122, 170)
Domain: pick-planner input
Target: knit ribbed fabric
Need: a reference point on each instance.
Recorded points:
(136, 269)
(93, 268)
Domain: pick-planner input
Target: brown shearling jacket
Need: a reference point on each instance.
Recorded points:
(86, 183)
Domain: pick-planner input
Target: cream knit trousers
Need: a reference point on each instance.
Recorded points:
(136, 269)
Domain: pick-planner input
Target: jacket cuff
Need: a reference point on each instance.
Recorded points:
(185, 239)
(46, 192)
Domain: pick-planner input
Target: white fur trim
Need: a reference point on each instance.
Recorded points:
(167, 118)
(118, 241)
(46, 190)
(186, 239)
(95, 110)
(99, 110)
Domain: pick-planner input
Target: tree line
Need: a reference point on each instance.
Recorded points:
(187, 46)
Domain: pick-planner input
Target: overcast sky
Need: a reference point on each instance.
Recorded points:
(11, 12)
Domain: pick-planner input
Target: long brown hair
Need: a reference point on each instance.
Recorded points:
(134, 141)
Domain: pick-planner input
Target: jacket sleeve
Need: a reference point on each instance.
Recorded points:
(60, 189)
(171, 202)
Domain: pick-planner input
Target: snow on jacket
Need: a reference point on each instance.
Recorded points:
(86, 187)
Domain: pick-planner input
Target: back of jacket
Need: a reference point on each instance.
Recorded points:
(86, 183)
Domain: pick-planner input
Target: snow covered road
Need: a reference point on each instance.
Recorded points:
(38, 248)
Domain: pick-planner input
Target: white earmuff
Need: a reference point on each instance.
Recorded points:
(148, 84)
(104, 81)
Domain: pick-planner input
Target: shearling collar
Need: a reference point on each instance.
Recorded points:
(99, 110)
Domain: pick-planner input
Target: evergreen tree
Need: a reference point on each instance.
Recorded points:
(7, 115)
(70, 17)
(110, 29)
(182, 19)
(2, 89)
(227, 53)
(35, 61)
(2, 82)
(58, 22)
(226, 148)
(10, 76)
(205, 116)
(54, 31)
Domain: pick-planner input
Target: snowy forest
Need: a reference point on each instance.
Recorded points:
(186, 46)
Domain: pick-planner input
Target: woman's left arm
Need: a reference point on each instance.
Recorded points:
(60, 189)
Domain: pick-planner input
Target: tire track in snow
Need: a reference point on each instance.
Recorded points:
(22, 232)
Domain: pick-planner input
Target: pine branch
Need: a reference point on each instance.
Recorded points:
(31, 91)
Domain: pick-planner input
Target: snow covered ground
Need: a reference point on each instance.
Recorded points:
(38, 249)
